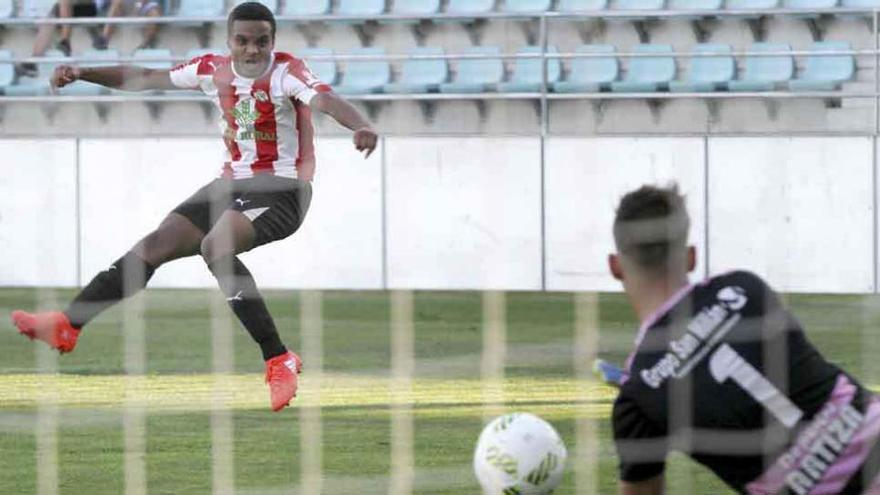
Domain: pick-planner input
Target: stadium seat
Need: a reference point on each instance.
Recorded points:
(527, 6)
(325, 69)
(421, 76)
(809, 4)
(7, 70)
(7, 9)
(647, 74)
(860, 4)
(271, 4)
(589, 75)
(708, 5)
(153, 58)
(365, 76)
(477, 75)
(528, 73)
(36, 86)
(361, 7)
(825, 72)
(639, 4)
(416, 7)
(35, 8)
(306, 7)
(82, 88)
(751, 4)
(200, 8)
(581, 5)
(470, 6)
(707, 74)
(765, 73)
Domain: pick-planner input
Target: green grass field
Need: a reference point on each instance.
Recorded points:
(178, 389)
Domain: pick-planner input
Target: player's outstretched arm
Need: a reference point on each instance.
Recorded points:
(123, 77)
(365, 138)
(653, 486)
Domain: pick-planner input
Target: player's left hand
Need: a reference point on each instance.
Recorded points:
(365, 139)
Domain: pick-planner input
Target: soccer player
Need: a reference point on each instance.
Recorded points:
(722, 372)
(261, 195)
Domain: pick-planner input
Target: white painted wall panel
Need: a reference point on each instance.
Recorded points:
(340, 244)
(464, 213)
(585, 179)
(38, 213)
(130, 185)
(796, 210)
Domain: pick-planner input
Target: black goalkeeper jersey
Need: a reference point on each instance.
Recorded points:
(725, 374)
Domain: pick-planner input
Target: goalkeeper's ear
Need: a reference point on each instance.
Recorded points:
(614, 266)
(691, 258)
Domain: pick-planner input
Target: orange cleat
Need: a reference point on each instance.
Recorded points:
(51, 327)
(281, 376)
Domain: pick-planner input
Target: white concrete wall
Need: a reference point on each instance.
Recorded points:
(459, 213)
(464, 213)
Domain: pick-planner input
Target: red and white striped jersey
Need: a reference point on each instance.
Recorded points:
(266, 122)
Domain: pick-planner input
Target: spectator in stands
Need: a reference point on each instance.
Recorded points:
(90, 8)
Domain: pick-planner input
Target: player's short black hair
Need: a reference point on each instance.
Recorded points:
(250, 11)
(651, 226)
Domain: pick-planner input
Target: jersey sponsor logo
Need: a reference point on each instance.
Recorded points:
(245, 113)
(702, 333)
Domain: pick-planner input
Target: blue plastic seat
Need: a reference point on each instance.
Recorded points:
(325, 69)
(477, 75)
(416, 7)
(153, 58)
(365, 76)
(271, 4)
(200, 8)
(639, 4)
(35, 8)
(647, 74)
(709, 5)
(765, 73)
(825, 72)
(860, 4)
(528, 73)
(83, 88)
(7, 70)
(7, 9)
(361, 7)
(527, 6)
(470, 7)
(39, 85)
(581, 5)
(751, 5)
(306, 7)
(590, 75)
(809, 4)
(707, 74)
(421, 76)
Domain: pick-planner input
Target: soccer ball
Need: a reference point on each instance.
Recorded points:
(519, 454)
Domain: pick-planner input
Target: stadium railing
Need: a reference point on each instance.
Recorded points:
(548, 56)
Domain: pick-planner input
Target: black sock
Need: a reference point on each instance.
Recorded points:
(246, 302)
(125, 277)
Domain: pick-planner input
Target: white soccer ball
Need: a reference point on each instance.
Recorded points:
(519, 454)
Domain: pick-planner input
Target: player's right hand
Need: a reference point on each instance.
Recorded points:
(64, 75)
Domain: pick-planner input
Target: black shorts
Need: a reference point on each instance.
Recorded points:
(79, 10)
(275, 205)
